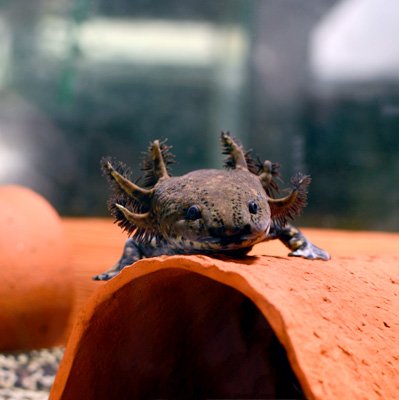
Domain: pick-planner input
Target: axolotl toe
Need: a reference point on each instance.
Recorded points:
(207, 211)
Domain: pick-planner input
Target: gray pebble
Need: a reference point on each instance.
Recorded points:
(28, 375)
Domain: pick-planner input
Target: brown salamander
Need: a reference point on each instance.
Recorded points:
(208, 211)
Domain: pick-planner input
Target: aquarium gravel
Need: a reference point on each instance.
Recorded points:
(28, 375)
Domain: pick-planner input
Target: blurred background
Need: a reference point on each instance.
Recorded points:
(311, 84)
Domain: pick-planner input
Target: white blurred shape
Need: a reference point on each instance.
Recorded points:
(11, 162)
(139, 41)
(358, 40)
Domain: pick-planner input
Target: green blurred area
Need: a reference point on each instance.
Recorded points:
(84, 79)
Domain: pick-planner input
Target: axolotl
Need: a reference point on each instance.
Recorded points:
(208, 211)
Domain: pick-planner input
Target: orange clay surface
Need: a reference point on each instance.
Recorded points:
(96, 244)
(36, 288)
(337, 320)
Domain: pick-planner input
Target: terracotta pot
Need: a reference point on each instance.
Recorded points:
(265, 327)
(96, 244)
(36, 290)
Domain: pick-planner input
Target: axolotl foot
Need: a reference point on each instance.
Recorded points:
(310, 251)
(296, 241)
(131, 253)
(105, 276)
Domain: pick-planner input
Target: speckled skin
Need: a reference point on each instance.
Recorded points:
(233, 210)
(223, 225)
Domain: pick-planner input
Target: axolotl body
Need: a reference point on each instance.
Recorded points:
(207, 211)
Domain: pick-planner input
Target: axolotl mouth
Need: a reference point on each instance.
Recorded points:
(219, 244)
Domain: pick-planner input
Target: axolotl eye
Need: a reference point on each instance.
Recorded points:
(253, 207)
(193, 213)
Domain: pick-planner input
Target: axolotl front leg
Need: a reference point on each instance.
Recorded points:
(132, 252)
(297, 242)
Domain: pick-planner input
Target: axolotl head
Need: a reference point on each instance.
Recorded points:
(212, 210)
(205, 210)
